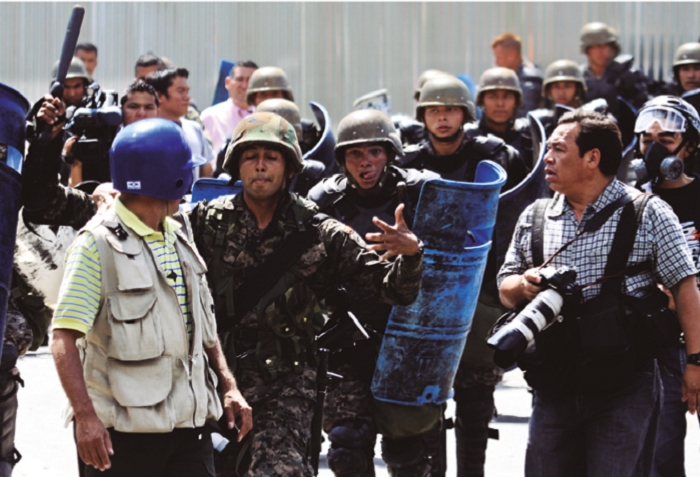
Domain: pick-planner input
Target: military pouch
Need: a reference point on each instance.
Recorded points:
(655, 326)
(606, 352)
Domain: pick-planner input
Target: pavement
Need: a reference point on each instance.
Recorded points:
(48, 449)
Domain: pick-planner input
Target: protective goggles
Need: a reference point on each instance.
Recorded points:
(668, 119)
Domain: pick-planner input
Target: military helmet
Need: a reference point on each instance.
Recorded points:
(263, 129)
(671, 112)
(445, 90)
(366, 125)
(268, 78)
(499, 78)
(686, 54)
(424, 77)
(563, 70)
(597, 33)
(76, 69)
(284, 108)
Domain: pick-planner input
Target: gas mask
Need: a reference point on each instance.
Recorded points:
(658, 165)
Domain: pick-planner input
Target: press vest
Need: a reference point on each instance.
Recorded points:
(141, 372)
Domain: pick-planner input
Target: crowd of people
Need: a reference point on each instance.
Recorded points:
(178, 321)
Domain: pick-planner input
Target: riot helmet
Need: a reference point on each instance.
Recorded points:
(284, 108)
(268, 78)
(564, 70)
(499, 78)
(686, 54)
(152, 157)
(445, 90)
(76, 69)
(672, 114)
(597, 33)
(263, 129)
(424, 77)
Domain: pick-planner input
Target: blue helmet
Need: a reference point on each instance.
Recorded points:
(152, 157)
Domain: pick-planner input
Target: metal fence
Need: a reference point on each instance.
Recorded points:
(332, 52)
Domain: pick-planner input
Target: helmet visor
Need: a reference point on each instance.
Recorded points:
(668, 119)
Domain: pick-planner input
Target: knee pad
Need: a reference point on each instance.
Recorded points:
(406, 457)
(352, 449)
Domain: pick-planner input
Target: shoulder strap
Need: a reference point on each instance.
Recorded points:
(537, 234)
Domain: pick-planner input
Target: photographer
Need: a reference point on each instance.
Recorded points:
(65, 205)
(597, 387)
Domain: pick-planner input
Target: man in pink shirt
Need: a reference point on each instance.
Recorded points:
(221, 119)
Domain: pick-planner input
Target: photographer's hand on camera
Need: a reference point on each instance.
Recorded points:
(516, 290)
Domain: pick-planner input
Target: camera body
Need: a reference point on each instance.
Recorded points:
(95, 123)
(517, 332)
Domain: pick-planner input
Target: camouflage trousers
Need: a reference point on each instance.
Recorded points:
(282, 414)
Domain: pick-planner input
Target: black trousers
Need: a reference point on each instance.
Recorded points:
(180, 453)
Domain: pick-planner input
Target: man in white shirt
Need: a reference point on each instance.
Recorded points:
(222, 118)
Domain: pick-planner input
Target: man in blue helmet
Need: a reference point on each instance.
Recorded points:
(135, 339)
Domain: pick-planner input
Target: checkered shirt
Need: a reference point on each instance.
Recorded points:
(659, 239)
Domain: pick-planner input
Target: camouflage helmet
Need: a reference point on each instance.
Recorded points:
(284, 108)
(366, 125)
(17, 331)
(597, 33)
(424, 77)
(76, 69)
(499, 78)
(445, 90)
(686, 54)
(263, 129)
(563, 70)
(268, 78)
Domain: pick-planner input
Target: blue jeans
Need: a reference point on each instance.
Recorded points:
(669, 459)
(607, 435)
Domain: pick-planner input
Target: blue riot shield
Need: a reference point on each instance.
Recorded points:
(627, 115)
(210, 189)
(423, 342)
(513, 202)
(13, 108)
(220, 92)
(324, 150)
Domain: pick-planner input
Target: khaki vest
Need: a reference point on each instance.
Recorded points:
(140, 371)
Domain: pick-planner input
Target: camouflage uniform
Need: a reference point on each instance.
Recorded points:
(268, 378)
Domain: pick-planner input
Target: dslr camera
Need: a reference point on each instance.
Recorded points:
(515, 331)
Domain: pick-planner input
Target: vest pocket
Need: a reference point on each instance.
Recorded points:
(136, 333)
(141, 391)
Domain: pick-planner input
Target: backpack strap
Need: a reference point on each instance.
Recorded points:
(537, 233)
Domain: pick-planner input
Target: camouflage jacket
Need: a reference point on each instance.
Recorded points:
(277, 336)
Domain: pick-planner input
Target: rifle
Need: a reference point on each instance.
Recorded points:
(341, 331)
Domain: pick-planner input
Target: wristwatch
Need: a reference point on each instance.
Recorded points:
(694, 359)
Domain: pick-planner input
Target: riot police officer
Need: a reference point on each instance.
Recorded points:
(500, 98)
(609, 74)
(371, 185)
(507, 52)
(444, 107)
(686, 73)
(563, 85)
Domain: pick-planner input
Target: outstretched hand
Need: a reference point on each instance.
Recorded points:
(395, 240)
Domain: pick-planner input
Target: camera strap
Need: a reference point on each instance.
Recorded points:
(622, 242)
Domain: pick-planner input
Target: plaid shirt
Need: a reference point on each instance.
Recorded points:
(659, 239)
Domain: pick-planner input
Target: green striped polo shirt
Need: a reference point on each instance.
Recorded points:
(79, 296)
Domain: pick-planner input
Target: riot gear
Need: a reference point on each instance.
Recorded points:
(76, 69)
(263, 128)
(378, 100)
(268, 78)
(284, 108)
(686, 54)
(499, 78)
(564, 70)
(597, 33)
(446, 90)
(425, 77)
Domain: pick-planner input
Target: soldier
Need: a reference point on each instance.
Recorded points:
(444, 108)
(609, 74)
(500, 98)
(268, 326)
(686, 67)
(370, 186)
(507, 53)
(563, 85)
